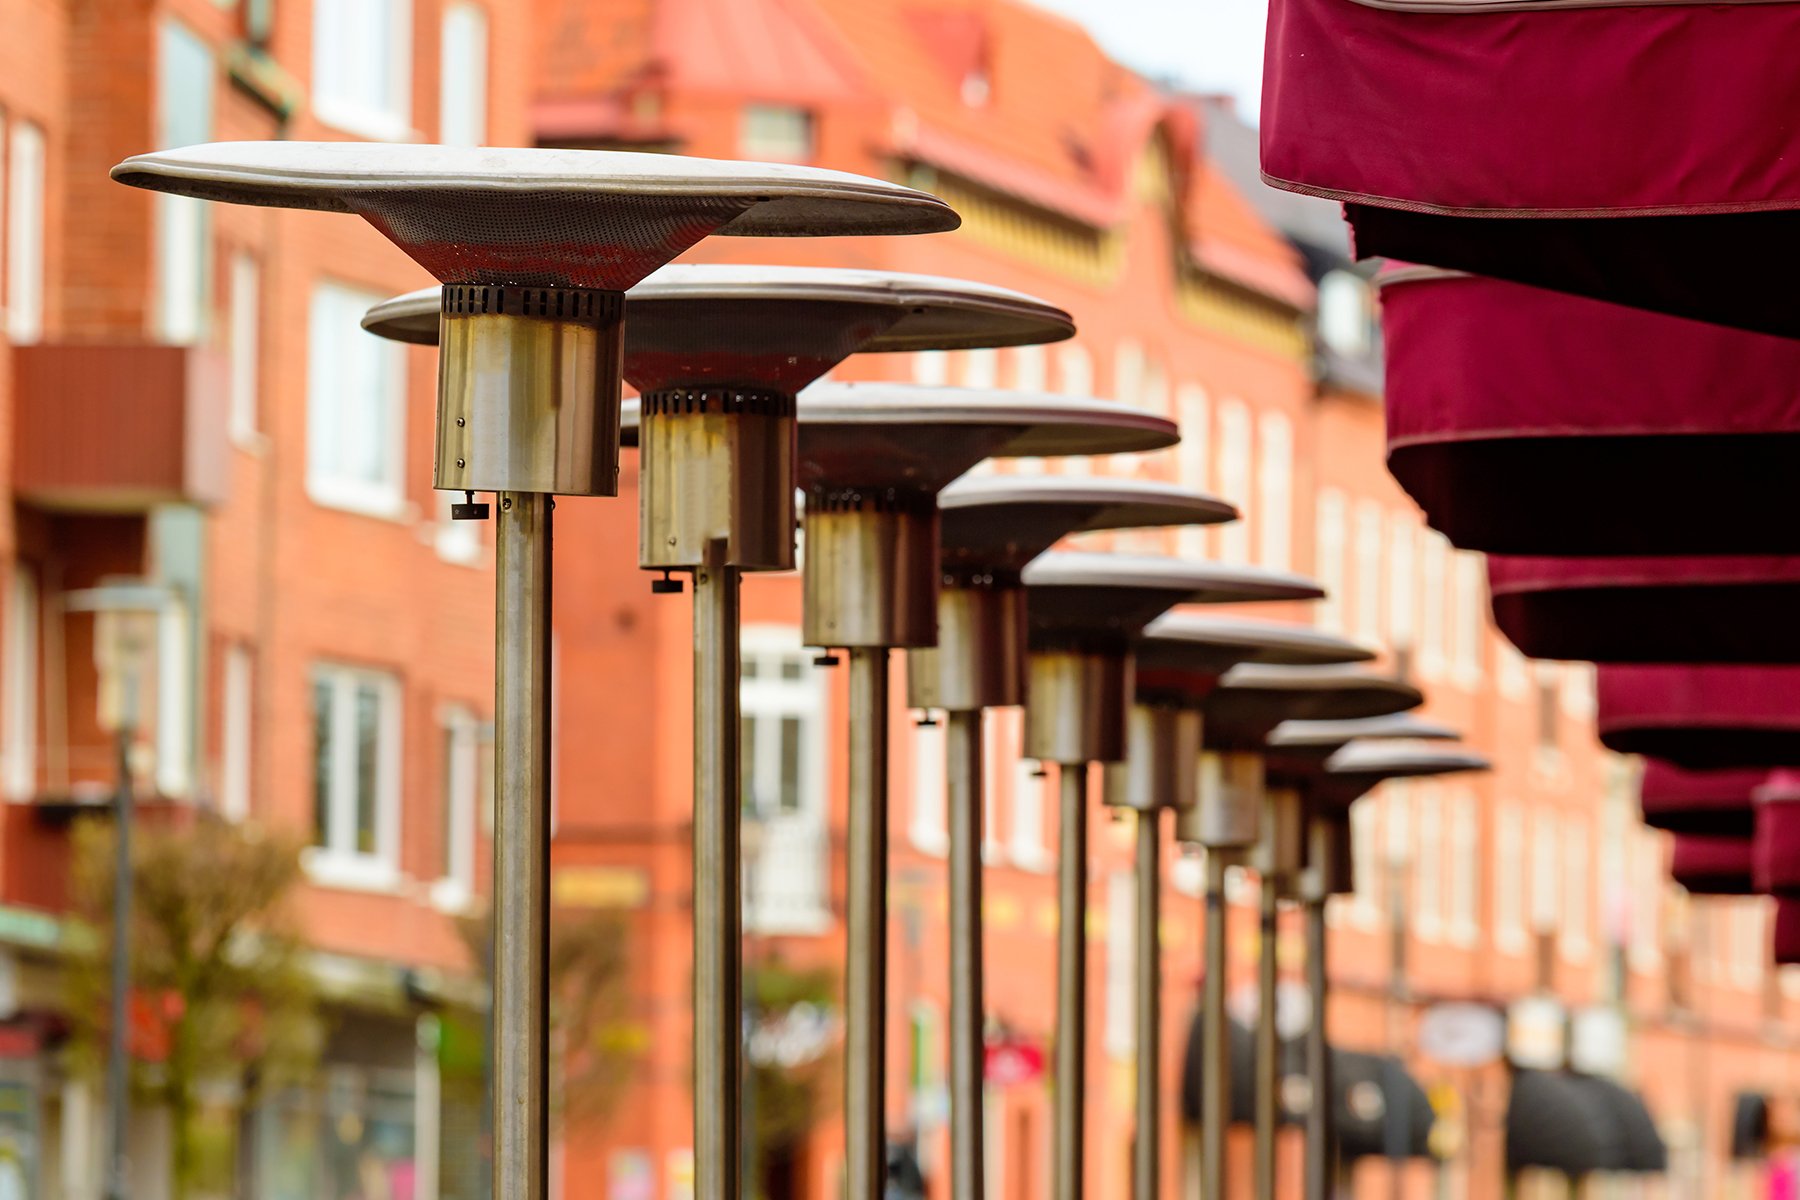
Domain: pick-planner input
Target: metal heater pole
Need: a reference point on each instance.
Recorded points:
(967, 1037)
(1147, 1156)
(865, 982)
(1071, 984)
(1268, 1046)
(1321, 1116)
(118, 1065)
(522, 849)
(1215, 1046)
(718, 914)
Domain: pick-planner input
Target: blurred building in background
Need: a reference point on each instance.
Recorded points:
(185, 395)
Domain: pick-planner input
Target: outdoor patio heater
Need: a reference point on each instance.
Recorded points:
(991, 528)
(1180, 660)
(1250, 701)
(718, 353)
(535, 249)
(1349, 773)
(1298, 751)
(873, 458)
(1086, 611)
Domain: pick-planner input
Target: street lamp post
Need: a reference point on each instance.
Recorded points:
(125, 626)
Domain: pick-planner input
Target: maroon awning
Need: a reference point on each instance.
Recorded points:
(1787, 931)
(1713, 866)
(1693, 609)
(1702, 718)
(1777, 841)
(1640, 153)
(1714, 803)
(1525, 421)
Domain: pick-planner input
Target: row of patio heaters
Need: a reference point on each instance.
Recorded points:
(555, 288)
(1593, 355)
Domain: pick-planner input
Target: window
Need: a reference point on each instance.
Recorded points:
(1119, 1035)
(1128, 374)
(184, 99)
(1515, 672)
(981, 368)
(1329, 562)
(1577, 887)
(999, 727)
(237, 701)
(1549, 726)
(1346, 316)
(457, 541)
(931, 367)
(1075, 370)
(1428, 870)
(1509, 879)
(1030, 369)
(19, 672)
(1749, 942)
(782, 760)
(25, 233)
(1646, 899)
(1025, 843)
(1434, 617)
(1401, 584)
(246, 345)
(1368, 570)
(1365, 864)
(1234, 478)
(356, 776)
(462, 76)
(776, 133)
(354, 427)
(459, 780)
(1465, 870)
(1471, 617)
(1546, 871)
(174, 702)
(1275, 492)
(1578, 699)
(362, 66)
(930, 809)
(1193, 468)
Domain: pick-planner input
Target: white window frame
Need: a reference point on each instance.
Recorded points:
(245, 347)
(980, 368)
(338, 382)
(1647, 892)
(795, 141)
(1119, 1020)
(1028, 367)
(25, 199)
(1403, 583)
(1574, 935)
(387, 119)
(1193, 461)
(999, 737)
(1464, 876)
(183, 258)
(335, 861)
(463, 74)
(765, 693)
(1428, 865)
(456, 541)
(1509, 879)
(459, 793)
(1026, 845)
(237, 723)
(931, 367)
(1275, 491)
(929, 827)
(174, 702)
(1343, 313)
(1546, 870)
(1331, 564)
(1234, 472)
(1470, 617)
(1371, 528)
(19, 671)
(1075, 377)
(1434, 623)
(1365, 866)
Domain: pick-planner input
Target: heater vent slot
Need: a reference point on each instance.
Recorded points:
(722, 400)
(588, 306)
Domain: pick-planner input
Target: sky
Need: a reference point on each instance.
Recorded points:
(1209, 45)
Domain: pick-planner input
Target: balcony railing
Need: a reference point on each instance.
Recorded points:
(787, 884)
(118, 427)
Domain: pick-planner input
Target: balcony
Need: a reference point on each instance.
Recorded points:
(118, 428)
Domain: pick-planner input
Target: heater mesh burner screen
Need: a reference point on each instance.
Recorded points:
(543, 239)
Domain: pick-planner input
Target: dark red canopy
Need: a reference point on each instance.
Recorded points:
(1713, 803)
(1713, 866)
(1525, 421)
(1702, 717)
(1691, 609)
(1787, 931)
(1639, 153)
(1777, 859)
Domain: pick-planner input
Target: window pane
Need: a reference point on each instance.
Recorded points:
(184, 117)
(322, 753)
(790, 764)
(747, 762)
(353, 404)
(25, 233)
(368, 752)
(462, 88)
(777, 133)
(792, 669)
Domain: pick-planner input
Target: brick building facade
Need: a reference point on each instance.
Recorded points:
(184, 396)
